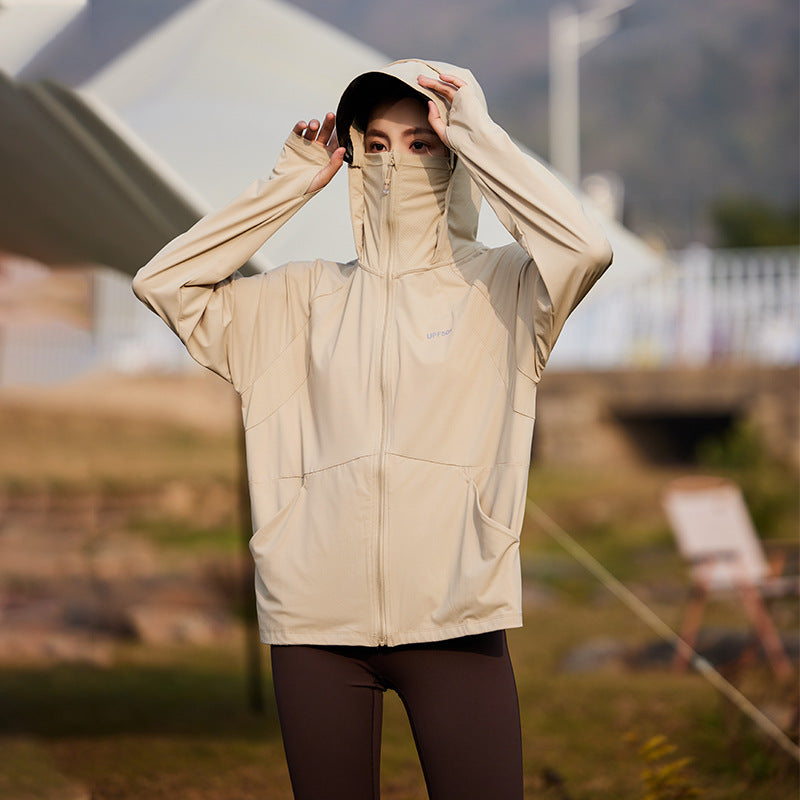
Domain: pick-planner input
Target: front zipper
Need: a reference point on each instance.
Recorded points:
(383, 498)
(387, 178)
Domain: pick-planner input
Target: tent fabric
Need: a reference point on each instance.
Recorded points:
(215, 90)
(28, 26)
(73, 190)
(95, 36)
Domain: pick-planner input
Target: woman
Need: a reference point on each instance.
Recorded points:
(388, 405)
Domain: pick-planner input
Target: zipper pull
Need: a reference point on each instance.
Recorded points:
(388, 179)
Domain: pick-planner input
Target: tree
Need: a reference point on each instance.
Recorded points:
(741, 221)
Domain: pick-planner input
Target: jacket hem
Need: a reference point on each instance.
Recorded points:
(349, 638)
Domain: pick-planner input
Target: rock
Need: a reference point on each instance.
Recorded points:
(166, 625)
(721, 647)
(537, 595)
(596, 654)
(118, 556)
(47, 645)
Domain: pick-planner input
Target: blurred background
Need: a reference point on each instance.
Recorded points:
(127, 664)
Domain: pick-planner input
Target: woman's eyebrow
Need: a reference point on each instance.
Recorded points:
(407, 132)
(376, 132)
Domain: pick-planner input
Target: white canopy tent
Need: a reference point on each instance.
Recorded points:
(26, 26)
(180, 122)
(214, 90)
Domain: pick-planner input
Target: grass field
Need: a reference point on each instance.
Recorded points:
(173, 721)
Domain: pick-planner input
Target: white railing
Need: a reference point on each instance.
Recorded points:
(120, 334)
(129, 336)
(702, 307)
(38, 354)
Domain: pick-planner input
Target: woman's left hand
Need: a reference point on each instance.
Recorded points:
(324, 135)
(446, 87)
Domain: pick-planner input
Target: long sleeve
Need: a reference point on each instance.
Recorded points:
(193, 283)
(567, 249)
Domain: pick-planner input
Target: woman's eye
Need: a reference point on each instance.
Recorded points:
(376, 147)
(420, 147)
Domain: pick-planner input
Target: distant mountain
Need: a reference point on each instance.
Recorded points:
(689, 101)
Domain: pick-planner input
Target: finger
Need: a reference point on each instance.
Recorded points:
(445, 90)
(337, 159)
(299, 127)
(332, 167)
(323, 177)
(437, 123)
(457, 82)
(328, 124)
(311, 130)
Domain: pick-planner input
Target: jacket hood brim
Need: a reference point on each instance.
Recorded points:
(369, 87)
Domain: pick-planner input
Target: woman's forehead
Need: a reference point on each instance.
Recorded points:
(406, 111)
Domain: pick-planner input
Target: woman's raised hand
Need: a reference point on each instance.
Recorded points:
(325, 136)
(446, 87)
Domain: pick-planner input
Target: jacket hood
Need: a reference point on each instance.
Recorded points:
(434, 203)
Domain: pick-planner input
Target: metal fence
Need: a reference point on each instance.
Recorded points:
(704, 306)
(121, 335)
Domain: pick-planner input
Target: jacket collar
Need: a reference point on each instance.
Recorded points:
(410, 212)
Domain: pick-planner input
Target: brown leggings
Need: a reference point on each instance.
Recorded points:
(461, 701)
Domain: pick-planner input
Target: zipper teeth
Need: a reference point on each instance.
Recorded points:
(387, 178)
(383, 499)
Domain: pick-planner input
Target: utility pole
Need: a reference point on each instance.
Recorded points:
(573, 33)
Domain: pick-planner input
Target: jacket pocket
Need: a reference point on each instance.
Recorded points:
(313, 556)
(261, 539)
(451, 564)
(523, 395)
(488, 521)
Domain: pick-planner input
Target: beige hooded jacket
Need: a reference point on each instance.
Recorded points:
(388, 403)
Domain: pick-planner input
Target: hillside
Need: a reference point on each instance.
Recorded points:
(688, 101)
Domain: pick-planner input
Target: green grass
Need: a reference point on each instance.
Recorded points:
(189, 539)
(175, 723)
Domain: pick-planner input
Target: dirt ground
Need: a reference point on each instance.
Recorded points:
(87, 469)
(195, 397)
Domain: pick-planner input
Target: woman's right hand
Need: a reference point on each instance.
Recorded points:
(325, 136)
